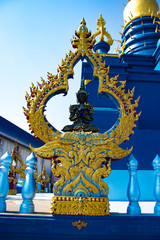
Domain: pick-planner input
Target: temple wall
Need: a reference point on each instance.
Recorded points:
(118, 184)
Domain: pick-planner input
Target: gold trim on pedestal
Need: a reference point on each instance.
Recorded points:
(91, 206)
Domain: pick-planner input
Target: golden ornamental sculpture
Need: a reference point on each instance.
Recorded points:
(17, 167)
(80, 155)
(43, 178)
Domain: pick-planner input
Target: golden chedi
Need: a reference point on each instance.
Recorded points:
(139, 8)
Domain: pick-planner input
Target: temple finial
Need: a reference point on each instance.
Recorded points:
(83, 22)
(101, 23)
(83, 39)
(101, 30)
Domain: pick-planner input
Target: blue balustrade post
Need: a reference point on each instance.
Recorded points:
(156, 190)
(4, 184)
(49, 187)
(133, 191)
(29, 186)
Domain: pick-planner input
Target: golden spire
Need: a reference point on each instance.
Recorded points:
(83, 39)
(101, 30)
(101, 23)
(139, 8)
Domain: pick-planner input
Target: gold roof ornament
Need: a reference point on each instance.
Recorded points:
(139, 8)
(83, 39)
(101, 30)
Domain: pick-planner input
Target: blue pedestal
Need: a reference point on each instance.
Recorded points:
(116, 226)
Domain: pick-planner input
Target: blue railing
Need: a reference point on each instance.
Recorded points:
(29, 186)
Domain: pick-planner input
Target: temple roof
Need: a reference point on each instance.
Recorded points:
(12, 132)
(138, 8)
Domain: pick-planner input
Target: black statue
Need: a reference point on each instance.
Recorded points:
(81, 114)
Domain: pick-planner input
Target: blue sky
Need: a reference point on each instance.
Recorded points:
(34, 37)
